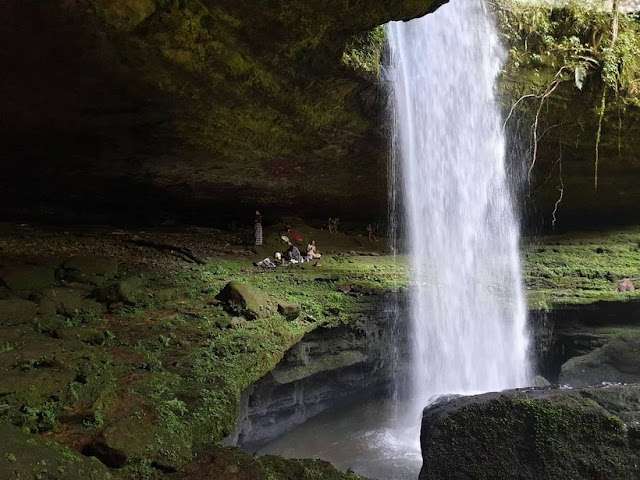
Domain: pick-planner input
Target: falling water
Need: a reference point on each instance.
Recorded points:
(468, 312)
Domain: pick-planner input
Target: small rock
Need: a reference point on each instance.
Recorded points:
(541, 382)
(290, 311)
(236, 322)
(626, 285)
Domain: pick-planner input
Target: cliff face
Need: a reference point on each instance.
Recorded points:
(158, 107)
(202, 110)
(561, 61)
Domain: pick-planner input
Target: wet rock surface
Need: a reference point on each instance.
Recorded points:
(533, 434)
(328, 367)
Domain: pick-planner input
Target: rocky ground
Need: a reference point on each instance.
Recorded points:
(121, 351)
(119, 357)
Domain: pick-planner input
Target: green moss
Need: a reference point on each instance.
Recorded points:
(560, 435)
(577, 37)
(363, 52)
(581, 268)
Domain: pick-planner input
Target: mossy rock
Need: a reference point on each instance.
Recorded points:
(242, 299)
(129, 291)
(618, 361)
(16, 311)
(533, 434)
(69, 303)
(93, 270)
(131, 434)
(27, 457)
(290, 311)
(234, 464)
(28, 278)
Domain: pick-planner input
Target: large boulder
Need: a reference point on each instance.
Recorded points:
(93, 270)
(558, 434)
(26, 279)
(242, 299)
(618, 361)
(129, 291)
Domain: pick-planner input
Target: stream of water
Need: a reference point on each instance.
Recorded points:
(467, 319)
(468, 311)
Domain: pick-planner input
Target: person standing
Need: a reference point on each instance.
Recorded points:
(258, 229)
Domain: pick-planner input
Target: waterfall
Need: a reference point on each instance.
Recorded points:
(468, 310)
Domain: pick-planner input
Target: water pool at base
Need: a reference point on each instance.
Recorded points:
(359, 437)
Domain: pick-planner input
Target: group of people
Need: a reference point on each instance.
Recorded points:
(292, 254)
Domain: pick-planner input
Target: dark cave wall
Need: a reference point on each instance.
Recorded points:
(199, 111)
(185, 109)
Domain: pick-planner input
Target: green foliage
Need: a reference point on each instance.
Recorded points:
(363, 52)
(575, 37)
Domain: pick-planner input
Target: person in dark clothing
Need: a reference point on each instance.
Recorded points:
(293, 254)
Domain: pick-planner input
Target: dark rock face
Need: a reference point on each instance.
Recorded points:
(617, 361)
(328, 367)
(564, 335)
(143, 109)
(533, 434)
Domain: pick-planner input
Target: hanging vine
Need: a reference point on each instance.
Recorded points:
(610, 78)
(577, 43)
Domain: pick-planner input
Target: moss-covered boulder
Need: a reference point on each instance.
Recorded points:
(242, 299)
(94, 270)
(26, 279)
(290, 311)
(129, 291)
(533, 434)
(26, 457)
(234, 464)
(617, 361)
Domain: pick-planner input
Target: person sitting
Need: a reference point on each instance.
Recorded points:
(294, 235)
(293, 254)
(312, 251)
